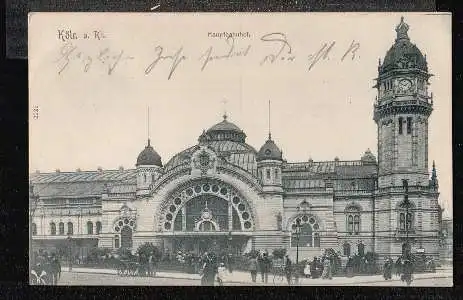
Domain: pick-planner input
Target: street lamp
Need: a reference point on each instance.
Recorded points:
(70, 251)
(229, 258)
(297, 233)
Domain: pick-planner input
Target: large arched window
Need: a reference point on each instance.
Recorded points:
(98, 227)
(52, 228)
(306, 235)
(61, 228)
(89, 227)
(70, 228)
(346, 249)
(34, 229)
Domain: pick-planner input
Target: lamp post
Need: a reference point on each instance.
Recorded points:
(297, 233)
(229, 255)
(303, 207)
(70, 251)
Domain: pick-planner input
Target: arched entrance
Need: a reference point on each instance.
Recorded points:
(206, 215)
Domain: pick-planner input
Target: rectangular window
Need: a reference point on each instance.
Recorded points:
(409, 125)
(401, 121)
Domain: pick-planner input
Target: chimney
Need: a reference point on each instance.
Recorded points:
(57, 171)
(78, 170)
(121, 168)
(100, 169)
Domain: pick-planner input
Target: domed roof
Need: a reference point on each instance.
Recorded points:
(269, 151)
(225, 126)
(149, 157)
(403, 54)
(223, 131)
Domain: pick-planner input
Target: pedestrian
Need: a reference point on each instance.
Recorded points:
(253, 268)
(221, 274)
(350, 267)
(387, 269)
(407, 271)
(326, 269)
(307, 269)
(230, 263)
(265, 268)
(288, 269)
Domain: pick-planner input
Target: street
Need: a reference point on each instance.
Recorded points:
(71, 278)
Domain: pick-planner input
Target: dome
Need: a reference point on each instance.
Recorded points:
(269, 151)
(403, 54)
(223, 131)
(368, 157)
(149, 157)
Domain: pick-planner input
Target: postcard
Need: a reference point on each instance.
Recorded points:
(240, 149)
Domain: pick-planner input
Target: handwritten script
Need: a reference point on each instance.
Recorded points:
(271, 49)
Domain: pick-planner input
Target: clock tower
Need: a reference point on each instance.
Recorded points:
(401, 111)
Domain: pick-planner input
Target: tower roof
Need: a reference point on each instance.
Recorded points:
(403, 54)
(269, 151)
(149, 157)
(223, 131)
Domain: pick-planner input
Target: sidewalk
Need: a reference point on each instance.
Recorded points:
(245, 277)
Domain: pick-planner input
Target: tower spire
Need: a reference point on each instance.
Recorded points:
(402, 30)
(148, 126)
(224, 101)
(269, 131)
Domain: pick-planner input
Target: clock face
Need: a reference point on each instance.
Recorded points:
(405, 85)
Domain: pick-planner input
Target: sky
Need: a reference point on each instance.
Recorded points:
(91, 119)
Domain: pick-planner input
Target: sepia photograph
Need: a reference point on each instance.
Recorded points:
(231, 149)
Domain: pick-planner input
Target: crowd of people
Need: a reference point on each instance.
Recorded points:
(45, 269)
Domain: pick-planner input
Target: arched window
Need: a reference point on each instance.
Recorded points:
(268, 174)
(346, 249)
(406, 216)
(144, 178)
(350, 224)
(276, 174)
(116, 242)
(34, 229)
(98, 227)
(61, 228)
(401, 121)
(152, 178)
(357, 224)
(409, 125)
(316, 240)
(353, 219)
(89, 227)
(52, 228)
(402, 221)
(70, 228)
(361, 249)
